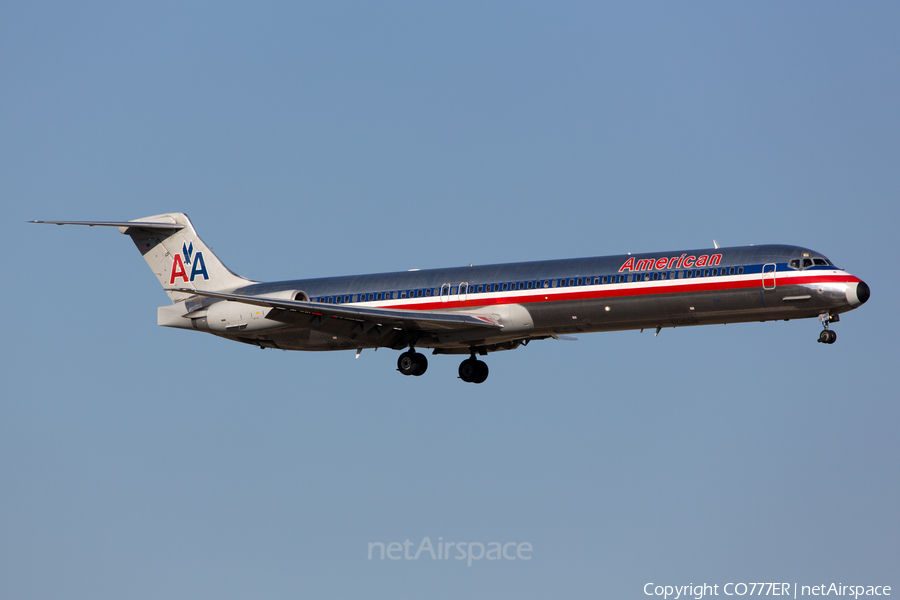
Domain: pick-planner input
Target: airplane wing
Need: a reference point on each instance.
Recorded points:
(403, 319)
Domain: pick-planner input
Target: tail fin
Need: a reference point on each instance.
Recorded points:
(175, 253)
(180, 259)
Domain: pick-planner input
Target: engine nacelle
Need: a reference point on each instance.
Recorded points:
(298, 295)
(233, 317)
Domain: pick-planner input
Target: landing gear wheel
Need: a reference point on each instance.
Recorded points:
(467, 370)
(473, 370)
(412, 363)
(421, 364)
(481, 372)
(827, 336)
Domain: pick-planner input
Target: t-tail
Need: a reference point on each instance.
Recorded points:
(175, 253)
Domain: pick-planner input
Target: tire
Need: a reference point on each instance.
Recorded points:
(481, 372)
(467, 370)
(407, 364)
(421, 364)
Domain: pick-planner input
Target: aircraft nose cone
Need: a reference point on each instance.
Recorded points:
(857, 293)
(862, 292)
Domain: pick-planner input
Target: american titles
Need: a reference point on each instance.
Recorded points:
(676, 262)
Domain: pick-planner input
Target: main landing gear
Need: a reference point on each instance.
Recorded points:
(827, 336)
(412, 363)
(473, 370)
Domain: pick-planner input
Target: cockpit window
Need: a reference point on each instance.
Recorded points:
(820, 262)
(794, 264)
(807, 262)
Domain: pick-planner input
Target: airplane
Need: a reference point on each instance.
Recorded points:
(475, 310)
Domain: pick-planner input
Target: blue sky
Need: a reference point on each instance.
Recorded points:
(312, 140)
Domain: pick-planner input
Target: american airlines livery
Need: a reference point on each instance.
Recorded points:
(475, 310)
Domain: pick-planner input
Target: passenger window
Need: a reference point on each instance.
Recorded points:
(740, 270)
(571, 282)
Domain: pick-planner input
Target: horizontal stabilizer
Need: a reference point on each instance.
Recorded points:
(131, 224)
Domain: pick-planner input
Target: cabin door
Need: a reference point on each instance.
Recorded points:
(463, 291)
(768, 276)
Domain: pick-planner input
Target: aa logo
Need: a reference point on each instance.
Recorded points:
(195, 261)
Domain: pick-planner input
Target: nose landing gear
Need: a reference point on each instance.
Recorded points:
(473, 370)
(827, 336)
